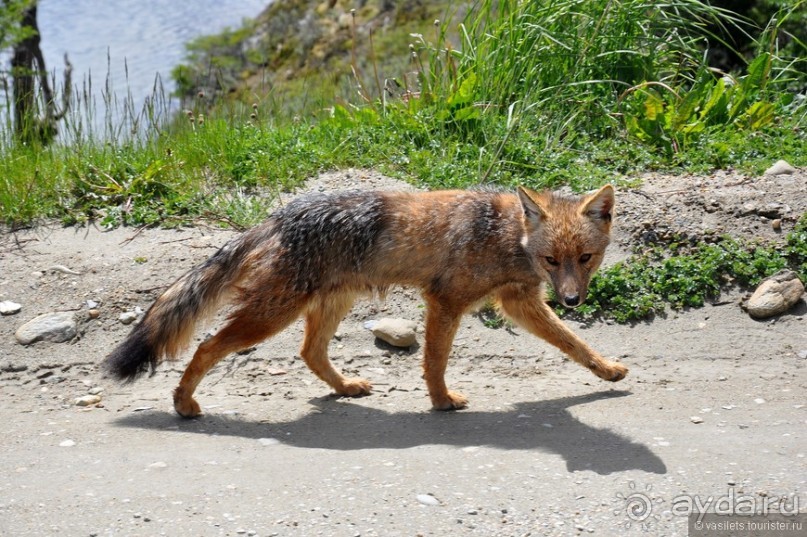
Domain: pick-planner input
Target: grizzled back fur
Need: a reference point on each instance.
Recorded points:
(322, 234)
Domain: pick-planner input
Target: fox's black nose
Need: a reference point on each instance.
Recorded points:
(571, 300)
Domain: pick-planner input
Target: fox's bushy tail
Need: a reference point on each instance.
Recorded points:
(168, 325)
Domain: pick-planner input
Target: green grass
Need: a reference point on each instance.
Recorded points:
(196, 169)
(684, 277)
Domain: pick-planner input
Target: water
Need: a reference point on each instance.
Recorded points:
(105, 37)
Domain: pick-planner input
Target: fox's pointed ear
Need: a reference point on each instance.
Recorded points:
(600, 204)
(533, 212)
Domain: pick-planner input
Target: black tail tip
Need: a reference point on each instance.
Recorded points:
(131, 359)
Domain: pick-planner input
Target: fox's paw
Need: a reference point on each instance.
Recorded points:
(610, 371)
(449, 401)
(354, 388)
(186, 406)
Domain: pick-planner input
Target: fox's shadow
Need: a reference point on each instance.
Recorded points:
(340, 426)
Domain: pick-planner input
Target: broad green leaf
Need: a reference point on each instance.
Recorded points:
(465, 94)
(341, 117)
(758, 71)
(466, 113)
(759, 115)
(653, 107)
(694, 127)
(687, 108)
(715, 111)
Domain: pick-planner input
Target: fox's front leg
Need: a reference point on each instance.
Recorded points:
(442, 322)
(528, 309)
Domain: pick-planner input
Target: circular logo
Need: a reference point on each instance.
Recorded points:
(638, 507)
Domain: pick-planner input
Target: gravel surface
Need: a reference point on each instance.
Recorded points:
(713, 407)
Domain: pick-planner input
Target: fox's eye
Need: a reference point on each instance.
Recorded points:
(552, 261)
(585, 258)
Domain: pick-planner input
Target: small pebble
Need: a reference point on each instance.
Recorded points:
(427, 499)
(128, 317)
(696, 419)
(64, 270)
(8, 307)
(87, 400)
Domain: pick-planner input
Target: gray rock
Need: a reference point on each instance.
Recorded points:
(56, 327)
(780, 167)
(427, 499)
(8, 307)
(88, 400)
(64, 270)
(775, 295)
(397, 332)
(128, 317)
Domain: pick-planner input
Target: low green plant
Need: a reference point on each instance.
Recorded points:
(491, 317)
(683, 277)
(795, 250)
(656, 114)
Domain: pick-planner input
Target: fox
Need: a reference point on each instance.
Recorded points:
(315, 255)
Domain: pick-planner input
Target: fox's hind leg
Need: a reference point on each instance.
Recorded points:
(321, 320)
(247, 326)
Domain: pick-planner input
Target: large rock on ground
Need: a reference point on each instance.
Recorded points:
(775, 295)
(397, 332)
(56, 327)
(780, 167)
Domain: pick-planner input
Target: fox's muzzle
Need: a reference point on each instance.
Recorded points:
(571, 301)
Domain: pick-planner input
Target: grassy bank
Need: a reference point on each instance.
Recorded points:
(535, 93)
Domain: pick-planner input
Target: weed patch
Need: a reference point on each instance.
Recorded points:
(686, 277)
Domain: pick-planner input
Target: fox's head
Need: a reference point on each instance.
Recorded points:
(566, 238)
